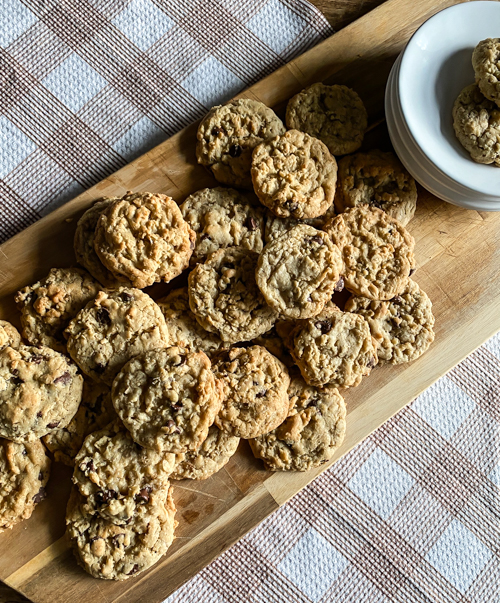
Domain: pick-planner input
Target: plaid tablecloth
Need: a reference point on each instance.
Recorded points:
(413, 513)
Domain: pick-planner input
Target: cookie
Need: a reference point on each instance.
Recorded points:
(335, 348)
(24, 472)
(376, 249)
(40, 390)
(118, 477)
(310, 435)
(9, 335)
(85, 253)
(486, 63)
(294, 175)
(223, 217)
(47, 306)
(225, 299)
(275, 226)
(298, 271)
(167, 399)
(254, 385)
(273, 342)
(144, 238)
(212, 455)
(182, 327)
(117, 552)
(403, 327)
(113, 328)
(95, 411)
(228, 134)
(379, 180)
(476, 121)
(334, 114)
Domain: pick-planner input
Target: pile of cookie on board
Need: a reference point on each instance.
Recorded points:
(136, 393)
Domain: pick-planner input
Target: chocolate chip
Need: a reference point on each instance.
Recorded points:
(88, 466)
(105, 496)
(134, 570)
(53, 425)
(39, 414)
(16, 380)
(177, 406)
(235, 150)
(173, 426)
(144, 494)
(371, 363)
(65, 378)
(316, 239)
(323, 325)
(25, 452)
(103, 316)
(215, 131)
(412, 271)
(251, 223)
(205, 237)
(339, 285)
(126, 297)
(261, 394)
(291, 205)
(40, 476)
(39, 496)
(36, 359)
(99, 367)
(397, 299)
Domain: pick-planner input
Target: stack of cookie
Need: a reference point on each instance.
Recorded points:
(254, 344)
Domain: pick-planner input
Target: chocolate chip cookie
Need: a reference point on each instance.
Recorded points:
(9, 335)
(298, 271)
(273, 342)
(167, 399)
(334, 114)
(48, 305)
(294, 175)
(223, 217)
(113, 328)
(228, 134)
(275, 226)
(377, 179)
(254, 385)
(486, 63)
(225, 299)
(40, 390)
(314, 429)
(403, 327)
(376, 249)
(144, 238)
(24, 472)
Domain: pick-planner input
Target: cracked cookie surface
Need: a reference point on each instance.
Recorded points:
(486, 63)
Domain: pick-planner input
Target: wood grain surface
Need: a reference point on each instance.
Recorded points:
(458, 257)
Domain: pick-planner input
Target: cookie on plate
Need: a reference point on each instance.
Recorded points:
(298, 271)
(228, 134)
(40, 390)
(117, 476)
(113, 328)
(84, 245)
(212, 455)
(182, 327)
(167, 399)
(314, 429)
(377, 179)
(403, 327)
(376, 249)
(334, 114)
(47, 306)
(476, 121)
(24, 472)
(486, 63)
(117, 552)
(144, 238)
(223, 217)
(294, 175)
(95, 411)
(225, 299)
(9, 335)
(254, 385)
(335, 348)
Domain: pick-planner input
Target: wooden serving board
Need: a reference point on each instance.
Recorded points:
(458, 255)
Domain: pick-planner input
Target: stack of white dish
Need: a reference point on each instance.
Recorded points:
(427, 77)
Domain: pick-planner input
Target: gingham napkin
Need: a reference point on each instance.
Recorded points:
(413, 513)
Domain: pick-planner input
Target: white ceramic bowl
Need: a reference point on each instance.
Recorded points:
(424, 83)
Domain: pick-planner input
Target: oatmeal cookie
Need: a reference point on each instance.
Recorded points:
(113, 328)
(223, 217)
(40, 391)
(212, 455)
(402, 327)
(167, 399)
(275, 226)
(313, 430)
(24, 472)
(273, 342)
(47, 306)
(225, 299)
(334, 114)
(486, 63)
(9, 335)
(476, 121)
(377, 179)
(334, 348)
(254, 385)
(228, 134)
(117, 552)
(376, 249)
(298, 271)
(144, 237)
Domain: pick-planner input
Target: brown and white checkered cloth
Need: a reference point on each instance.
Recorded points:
(413, 513)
